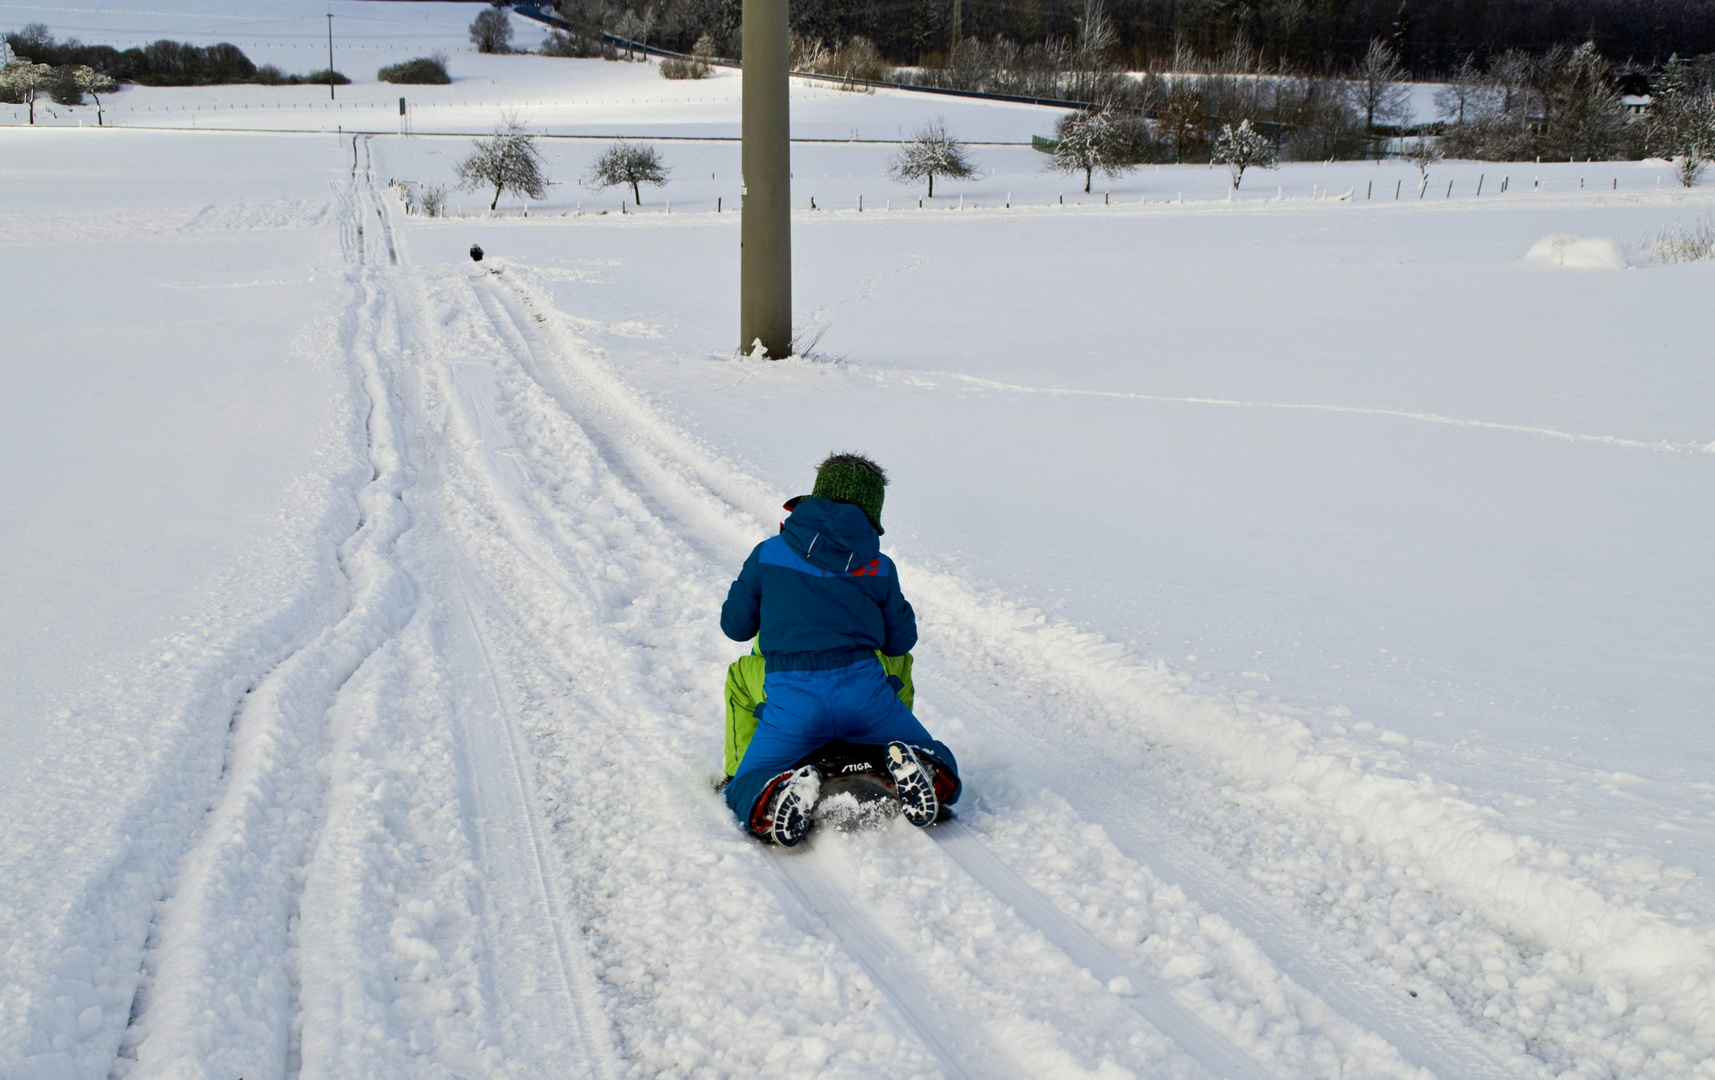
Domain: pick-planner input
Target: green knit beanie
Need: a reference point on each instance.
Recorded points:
(854, 479)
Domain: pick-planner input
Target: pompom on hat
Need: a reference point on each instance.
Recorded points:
(850, 478)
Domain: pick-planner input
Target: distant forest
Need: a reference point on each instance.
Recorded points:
(1431, 37)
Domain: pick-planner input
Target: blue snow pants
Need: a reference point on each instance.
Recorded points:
(806, 710)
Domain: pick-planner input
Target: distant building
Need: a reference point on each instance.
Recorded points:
(1635, 104)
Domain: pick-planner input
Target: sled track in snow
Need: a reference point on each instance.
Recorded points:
(496, 752)
(957, 1042)
(1149, 998)
(954, 1039)
(1423, 1038)
(677, 489)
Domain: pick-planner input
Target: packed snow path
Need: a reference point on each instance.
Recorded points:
(465, 827)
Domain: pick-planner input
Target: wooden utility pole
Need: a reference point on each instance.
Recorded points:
(765, 231)
(330, 56)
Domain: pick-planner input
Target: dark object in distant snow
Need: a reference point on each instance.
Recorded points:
(475, 253)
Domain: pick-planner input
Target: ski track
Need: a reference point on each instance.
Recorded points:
(926, 378)
(222, 981)
(464, 829)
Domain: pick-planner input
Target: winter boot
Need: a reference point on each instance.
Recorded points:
(783, 812)
(915, 784)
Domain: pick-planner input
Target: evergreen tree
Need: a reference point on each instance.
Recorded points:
(1587, 119)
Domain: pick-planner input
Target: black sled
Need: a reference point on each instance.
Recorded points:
(857, 790)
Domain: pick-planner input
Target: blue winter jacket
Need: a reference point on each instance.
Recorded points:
(821, 593)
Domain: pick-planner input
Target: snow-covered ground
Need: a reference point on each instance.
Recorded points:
(1314, 588)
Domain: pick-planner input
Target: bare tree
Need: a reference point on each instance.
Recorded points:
(1466, 91)
(94, 83)
(509, 161)
(932, 152)
(26, 78)
(628, 163)
(1542, 77)
(1180, 117)
(1092, 142)
(1378, 87)
(635, 29)
(1092, 61)
(1423, 153)
(1240, 148)
(491, 31)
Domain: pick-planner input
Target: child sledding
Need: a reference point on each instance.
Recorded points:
(831, 708)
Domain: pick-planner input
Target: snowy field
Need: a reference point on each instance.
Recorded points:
(1314, 588)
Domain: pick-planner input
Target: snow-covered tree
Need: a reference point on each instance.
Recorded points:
(509, 161)
(1695, 136)
(491, 31)
(1682, 121)
(1377, 84)
(1240, 148)
(628, 163)
(26, 78)
(931, 153)
(1423, 153)
(94, 83)
(1092, 142)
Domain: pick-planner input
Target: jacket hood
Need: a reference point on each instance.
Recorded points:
(831, 535)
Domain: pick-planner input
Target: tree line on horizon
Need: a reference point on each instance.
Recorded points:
(1431, 38)
(1560, 102)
